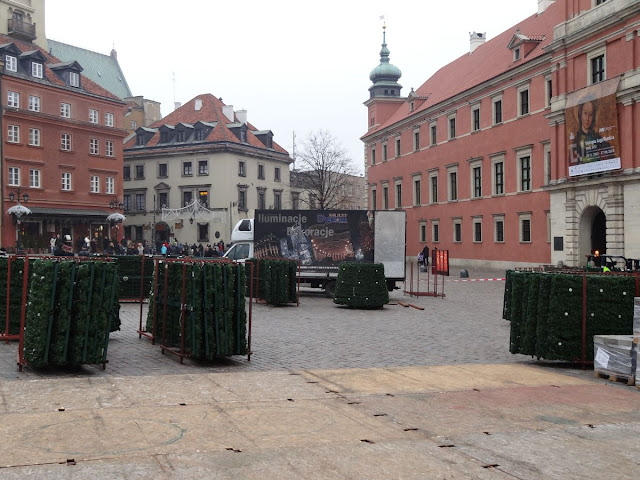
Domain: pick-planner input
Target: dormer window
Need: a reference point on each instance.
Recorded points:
(140, 139)
(243, 135)
(200, 134)
(516, 54)
(164, 137)
(411, 107)
(11, 63)
(36, 70)
(74, 79)
(180, 136)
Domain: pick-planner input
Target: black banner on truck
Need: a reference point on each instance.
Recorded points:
(314, 237)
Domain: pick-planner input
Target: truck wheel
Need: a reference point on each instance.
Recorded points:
(330, 288)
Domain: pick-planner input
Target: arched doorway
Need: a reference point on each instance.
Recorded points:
(593, 232)
(162, 234)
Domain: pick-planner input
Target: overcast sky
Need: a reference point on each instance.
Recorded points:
(294, 66)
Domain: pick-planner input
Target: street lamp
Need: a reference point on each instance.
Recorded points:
(114, 204)
(18, 211)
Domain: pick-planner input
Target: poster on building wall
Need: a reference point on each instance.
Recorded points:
(592, 128)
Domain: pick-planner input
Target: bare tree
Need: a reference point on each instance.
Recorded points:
(324, 170)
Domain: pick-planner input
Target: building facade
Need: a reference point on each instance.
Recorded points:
(204, 151)
(484, 156)
(342, 191)
(61, 149)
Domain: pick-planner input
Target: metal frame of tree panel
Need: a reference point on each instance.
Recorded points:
(437, 273)
(23, 310)
(181, 352)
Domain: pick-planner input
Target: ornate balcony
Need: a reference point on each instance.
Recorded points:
(22, 30)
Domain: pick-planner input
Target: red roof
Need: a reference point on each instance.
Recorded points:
(486, 62)
(88, 86)
(210, 111)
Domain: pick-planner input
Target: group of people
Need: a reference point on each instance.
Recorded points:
(178, 249)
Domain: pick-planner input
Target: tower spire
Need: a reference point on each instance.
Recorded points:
(385, 76)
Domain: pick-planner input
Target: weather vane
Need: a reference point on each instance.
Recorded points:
(384, 23)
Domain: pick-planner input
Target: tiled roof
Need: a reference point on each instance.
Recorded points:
(88, 86)
(210, 114)
(102, 69)
(486, 62)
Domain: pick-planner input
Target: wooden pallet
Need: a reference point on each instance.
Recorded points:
(618, 377)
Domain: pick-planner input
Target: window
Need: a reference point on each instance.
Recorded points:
(433, 179)
(241, 169)
(277, 200)
(108, 119)
(162, 170)
(11, 64)
(457, 231)
(141, 139)
(452, 127)
(164, 137)
(525, 173)
(385, 197)
(416, 140)
(163, 200)
(95, 184)
(34, 137)
(200, 134)
(261, 199)
(398, 195)
(525, 228)
(497, 111)
(139, 172)
(13, 134)
(65, 110)
(203, 232)
(203, 167)
(276, 174)
(14, 176)
(435, 232)
(242, 199)
(180, 136)
(140, 201)
(203, 197)
(384, 152)
(476, 180)
(94, 146)
(453, 185)
(434, 134)
(498, 177)
(134, 124)
(416, 191)
(475, 119)
(548, 91)
(600, 2)
(547, 164)
(187, 168)
(261, 172)
(36, 70)
(374, 200)
(34, 178)
(523, 103)
(516, 54)
(108, 148)
(477, 230)
(13, 99)
(295, 200)
(498, 229)
(66, 181)
(74, 79)
(597, 69)
(65, 142)
(397, 146)
(110, 183)
(423, 232)
(34, 103)
(93, 115)
(126, 202)
(126, 172)
(373, 155)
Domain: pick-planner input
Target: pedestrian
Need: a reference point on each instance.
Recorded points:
(163, 249)
(425, 255)
(52, 243)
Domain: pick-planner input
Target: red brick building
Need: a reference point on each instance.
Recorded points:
(485, 155)
(62, 148)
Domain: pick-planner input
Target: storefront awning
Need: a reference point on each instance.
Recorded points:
(68, 212)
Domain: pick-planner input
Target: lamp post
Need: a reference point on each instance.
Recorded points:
(15, 195)
(115, 205)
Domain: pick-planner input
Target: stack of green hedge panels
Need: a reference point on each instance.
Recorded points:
(361, 285)
(130, 273)
(275, 281)
(71, 309)
(15, 288)
(546, 312)
(208, 298)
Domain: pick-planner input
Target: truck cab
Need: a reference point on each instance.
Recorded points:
(241, 241)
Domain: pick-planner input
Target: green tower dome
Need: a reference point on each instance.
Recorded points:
(385, 76)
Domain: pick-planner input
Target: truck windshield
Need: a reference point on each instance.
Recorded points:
(239, 252)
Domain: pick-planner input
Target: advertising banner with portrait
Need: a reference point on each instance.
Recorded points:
(591, 118)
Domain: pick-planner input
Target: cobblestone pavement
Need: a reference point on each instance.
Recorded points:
(465, 326)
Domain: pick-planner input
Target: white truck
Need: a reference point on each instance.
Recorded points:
(321, 239)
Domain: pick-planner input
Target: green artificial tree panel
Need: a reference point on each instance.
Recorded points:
(361, 285)
(38, 314)
(530, 324)
(240, 313)
(519, 305)
(506, 301)
(15, 277)
(542, 333)
(130, 275)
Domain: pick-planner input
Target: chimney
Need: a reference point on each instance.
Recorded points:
(176, 105)
(543, 5)
(227, 110)
(113, 55)
(242, 116)
(475, 40)
(198, 104)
